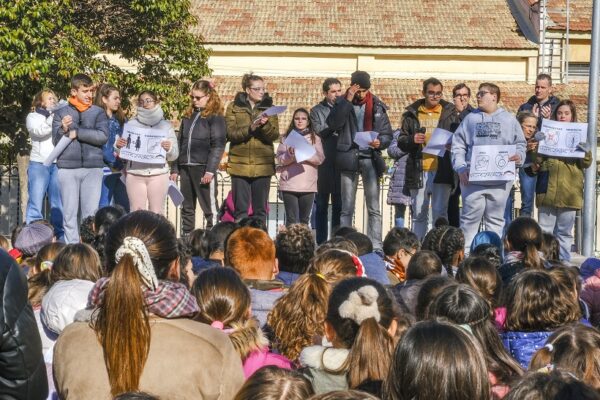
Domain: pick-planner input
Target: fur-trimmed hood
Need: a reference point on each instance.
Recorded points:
(241, 100)
(321, 357)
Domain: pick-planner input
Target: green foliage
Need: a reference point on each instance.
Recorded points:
(43, 43)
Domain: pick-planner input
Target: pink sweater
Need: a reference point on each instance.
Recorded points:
(299, 177)
(259, 359)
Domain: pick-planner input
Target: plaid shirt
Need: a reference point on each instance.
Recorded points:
(169, 300)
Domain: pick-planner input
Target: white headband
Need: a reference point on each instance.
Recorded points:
(141, 259)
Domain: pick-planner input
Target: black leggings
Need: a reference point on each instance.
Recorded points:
(298, 206)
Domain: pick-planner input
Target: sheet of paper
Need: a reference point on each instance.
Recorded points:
(274, 110)
(562, 138)
(175, 194)
(437, 142)
(143, 144)
(302, 149)
(362, 139)
(58, 149)
(490, 163)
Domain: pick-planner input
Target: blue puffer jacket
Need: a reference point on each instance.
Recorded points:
(115, 128)
(523, 345)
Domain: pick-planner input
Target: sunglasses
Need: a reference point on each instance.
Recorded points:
(198, 98)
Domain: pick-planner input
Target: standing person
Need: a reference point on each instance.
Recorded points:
(113, 189)
(138, 310)
(461, 94)
(328, 183)
(251, 157)
(426, 174)
(543, 105)
(357, 111)
(398, 193)
(298, 181)
(559, 187)
(80, 164)
(528, 122)
(43, 180)
(201, 142)
(488, 125)
(147, 184)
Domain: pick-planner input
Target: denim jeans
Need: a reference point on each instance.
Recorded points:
(399, 211)
(321, 214)
(41, 181)
(559, 222)
(440, 194)
(349, 184)
(527, 184)
(113, 192)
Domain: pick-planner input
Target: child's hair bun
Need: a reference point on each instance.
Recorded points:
(361, 305)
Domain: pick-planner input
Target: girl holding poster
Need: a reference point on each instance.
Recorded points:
(147, 182)
(559, 187)
(298, 179)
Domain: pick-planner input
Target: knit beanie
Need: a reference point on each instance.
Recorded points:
(362, 78)
(589, 267)
(33, 237)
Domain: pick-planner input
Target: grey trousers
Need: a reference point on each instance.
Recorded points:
(559, 221)
(80, 188)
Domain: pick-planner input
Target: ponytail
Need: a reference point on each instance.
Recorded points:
(371, 354)
(123, 328)
(247, 337)
(531, 257)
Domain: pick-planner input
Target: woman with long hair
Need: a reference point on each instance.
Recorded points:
(559, 187)
(251, 158)
(523, 244)
(147, 184)
(298, 180)
(140, 328)
(113, 189)
(43, 180)
(202, 138)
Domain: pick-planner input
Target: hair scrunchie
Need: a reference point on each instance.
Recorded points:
(361, 305)
(141, 259)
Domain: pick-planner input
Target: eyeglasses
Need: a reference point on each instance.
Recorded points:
(257, 89)
(149, 100)
(434, 94)
(198, 98)
(482, 93)
(461, 95)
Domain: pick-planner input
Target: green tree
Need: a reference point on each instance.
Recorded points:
(43, 43)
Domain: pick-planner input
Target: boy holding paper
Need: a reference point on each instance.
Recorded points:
(358, 110)
(427, 174)
(80, 164)
(298, 156)
(488, 125)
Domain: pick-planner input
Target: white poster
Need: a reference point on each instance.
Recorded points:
(490, 163)
(143, 144)
(302, 149)
(562, 138)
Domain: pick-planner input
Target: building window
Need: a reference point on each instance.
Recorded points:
(579, 69)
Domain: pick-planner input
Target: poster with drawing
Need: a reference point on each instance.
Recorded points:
(562, 139)
(490, 163)
(143, 144)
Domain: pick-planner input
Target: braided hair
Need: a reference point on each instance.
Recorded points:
(446, 241)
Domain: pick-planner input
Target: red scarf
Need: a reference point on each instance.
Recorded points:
(368, 103)
(81, 107)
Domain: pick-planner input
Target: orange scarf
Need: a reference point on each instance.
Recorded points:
(81, 107)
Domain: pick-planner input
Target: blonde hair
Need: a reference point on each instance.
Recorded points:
(300, 313)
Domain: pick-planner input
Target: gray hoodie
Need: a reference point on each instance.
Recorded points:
(479, 128)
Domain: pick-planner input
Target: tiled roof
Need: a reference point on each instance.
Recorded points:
(366, 23)
(580, 15)
(396, 93)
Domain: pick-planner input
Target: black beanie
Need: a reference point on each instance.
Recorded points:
(362, 78)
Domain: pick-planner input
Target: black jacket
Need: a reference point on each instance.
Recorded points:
(22, 367)
(449, 120)
(528, 106)
(328, 181)
(342, 119)
(201, 141)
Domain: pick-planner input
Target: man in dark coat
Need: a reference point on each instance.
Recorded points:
(23, 371)
(328, 183)
(427, 175)
(358, 110)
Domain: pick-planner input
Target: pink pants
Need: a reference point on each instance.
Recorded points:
(147, 189)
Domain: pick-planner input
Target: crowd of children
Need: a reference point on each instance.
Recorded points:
(230, 313)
